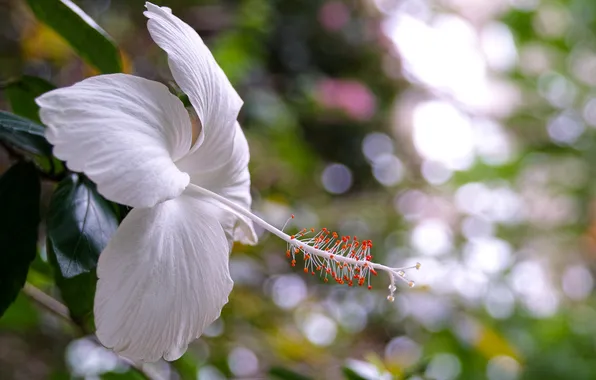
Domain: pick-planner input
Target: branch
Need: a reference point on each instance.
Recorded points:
(56, 307)
(50, 304)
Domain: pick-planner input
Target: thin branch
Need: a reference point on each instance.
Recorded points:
(50, 304)
(56, 307)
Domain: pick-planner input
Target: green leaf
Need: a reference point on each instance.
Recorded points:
(77, 292)
(286, 374)
(21, 94)
(19, 220)
(80, 224)
(24, 134)
(89, 40)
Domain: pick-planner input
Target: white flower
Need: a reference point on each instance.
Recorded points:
(164, 276)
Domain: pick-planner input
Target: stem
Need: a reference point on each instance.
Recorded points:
(241, 211)
(50, 304)
(54, 306)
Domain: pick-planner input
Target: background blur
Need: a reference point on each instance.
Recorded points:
(456, 133)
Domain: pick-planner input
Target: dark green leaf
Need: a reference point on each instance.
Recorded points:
(77, 292)
(286, 374)
(80, 224)
(22, 93)
(24, 134)
(89, 40)
(19, 220)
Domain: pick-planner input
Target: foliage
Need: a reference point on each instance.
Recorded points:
(19, 201)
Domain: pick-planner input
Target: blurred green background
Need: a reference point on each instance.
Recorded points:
(455, 133)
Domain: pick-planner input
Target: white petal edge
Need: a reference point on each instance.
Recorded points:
(163, 278)
(200, 77)
(124, 132)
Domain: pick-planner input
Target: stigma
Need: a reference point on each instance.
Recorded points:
(343, 259)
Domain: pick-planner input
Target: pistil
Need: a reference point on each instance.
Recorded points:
(342, 258)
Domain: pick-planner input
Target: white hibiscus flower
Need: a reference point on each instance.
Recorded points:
(164, 276)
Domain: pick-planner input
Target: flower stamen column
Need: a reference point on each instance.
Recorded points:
(344, 258)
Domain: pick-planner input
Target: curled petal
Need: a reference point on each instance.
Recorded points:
(219, 159)
(123, 132)
(197, 73)
(163, 279)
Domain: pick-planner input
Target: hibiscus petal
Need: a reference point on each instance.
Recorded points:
(163, 278)
(122, 131)
(239, 193)
(197, 73)
(231, 180)
(219, 159)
